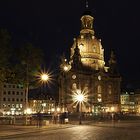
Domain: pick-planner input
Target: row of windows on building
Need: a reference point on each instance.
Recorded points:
(13, 105)
(99, 88)
(13, 99)
(13, 86)
(13, 93)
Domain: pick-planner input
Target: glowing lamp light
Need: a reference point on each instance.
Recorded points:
(44, 77)
(58, 109)
(65, 68)
(52, 109)
(28, 111)
(112, 109)
(80, 97)
(81, 46)
(44, 104)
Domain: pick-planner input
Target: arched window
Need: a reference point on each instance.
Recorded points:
(86, 89)
(99, 89)
(94, 48)
(109, 89)
(74, 86)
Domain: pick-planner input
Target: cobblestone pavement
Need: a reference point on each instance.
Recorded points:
(95, 131)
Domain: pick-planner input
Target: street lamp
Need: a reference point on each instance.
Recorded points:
(80, 97)
(44, 78)
(27, 112)
(65, 68)
(112, 110)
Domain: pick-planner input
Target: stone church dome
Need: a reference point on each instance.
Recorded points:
(92, 53)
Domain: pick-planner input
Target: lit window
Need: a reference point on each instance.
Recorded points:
(81, 47)
(82, 36)
(109, 89)
(99, 95)
(99, 89)
(94, 48)
(86, 89)
(99, 99)
(74, 86)
(73, 76)
(21, 105)
(17, 105)
(99, 77)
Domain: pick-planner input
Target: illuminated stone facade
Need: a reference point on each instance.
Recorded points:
(12, 99)
(91, 51)
(87, 72)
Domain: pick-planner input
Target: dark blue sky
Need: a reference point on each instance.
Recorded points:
(52, 25)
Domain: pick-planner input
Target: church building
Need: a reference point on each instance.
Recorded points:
(86, 73)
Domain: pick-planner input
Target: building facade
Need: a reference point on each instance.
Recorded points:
(137, 101)
(127, 102)
(130, 102)
(42, 105)
(12, 99)
(86, 72)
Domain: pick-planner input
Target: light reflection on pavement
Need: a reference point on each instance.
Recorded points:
(82, 132)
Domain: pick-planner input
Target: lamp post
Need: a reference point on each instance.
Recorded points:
(79, 97)
(112, 111)
(27, 112)
(44, 77)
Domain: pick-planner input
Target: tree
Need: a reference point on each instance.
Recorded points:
(5, 55)
(29, 63)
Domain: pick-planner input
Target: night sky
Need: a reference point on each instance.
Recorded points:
(52, 25)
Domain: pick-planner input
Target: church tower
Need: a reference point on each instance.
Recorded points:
(91, 50)
(86, 72)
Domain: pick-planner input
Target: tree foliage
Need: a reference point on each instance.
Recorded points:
(18, 64)
(30, 60)
(5, 55)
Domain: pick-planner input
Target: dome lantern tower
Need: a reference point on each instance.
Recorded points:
(87, 21)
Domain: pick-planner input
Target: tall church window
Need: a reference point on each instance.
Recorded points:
(86, 88)
(99, 95)
(94, 48)
(109, 89)
(74, 86)
(99, 89)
